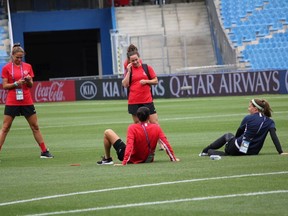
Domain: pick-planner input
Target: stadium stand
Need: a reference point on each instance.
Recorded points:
(4, 57)
(169, 37)
(258, 31)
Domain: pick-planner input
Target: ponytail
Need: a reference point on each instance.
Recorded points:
(132, 50)
(263, 106)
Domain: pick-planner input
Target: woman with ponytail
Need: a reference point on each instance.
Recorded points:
(251, 134)
(17, 79)
(138, 79)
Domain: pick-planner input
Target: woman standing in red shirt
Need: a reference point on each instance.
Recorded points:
(139, 85)
(18, 80)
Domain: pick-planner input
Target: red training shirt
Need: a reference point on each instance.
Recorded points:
(138, 93)
(137, 149)
(19, 73)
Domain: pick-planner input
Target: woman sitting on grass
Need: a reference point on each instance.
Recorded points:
(251, 134)
(141, 142)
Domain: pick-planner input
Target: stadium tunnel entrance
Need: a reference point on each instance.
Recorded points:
(57, 54)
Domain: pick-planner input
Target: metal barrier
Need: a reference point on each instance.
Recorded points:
(166, 54)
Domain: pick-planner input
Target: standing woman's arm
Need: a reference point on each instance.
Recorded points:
(8, 86)
(29, 81)
(126, 80)
(153, 81)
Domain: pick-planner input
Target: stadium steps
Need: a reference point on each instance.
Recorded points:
(186, 30)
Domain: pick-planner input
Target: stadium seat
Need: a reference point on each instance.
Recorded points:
(276, 26)
(3, 53)
(258, 22)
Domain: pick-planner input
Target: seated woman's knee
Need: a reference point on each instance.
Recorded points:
(107, 132)
(228, 136)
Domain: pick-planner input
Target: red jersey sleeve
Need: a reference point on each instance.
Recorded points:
(165, 143)
(151, 72)
(129, 145)
(137, 149)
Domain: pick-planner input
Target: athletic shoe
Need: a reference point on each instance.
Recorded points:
(46, 154)
(201, 154)
(105, 161)
(215, 152)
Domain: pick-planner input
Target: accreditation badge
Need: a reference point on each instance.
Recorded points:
(19, 94)
(244, 146)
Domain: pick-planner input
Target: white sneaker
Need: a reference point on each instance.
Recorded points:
(201, 154)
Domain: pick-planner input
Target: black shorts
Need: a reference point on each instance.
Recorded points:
(231, 148)
(132, 108)
(120, 147)
(19, 110)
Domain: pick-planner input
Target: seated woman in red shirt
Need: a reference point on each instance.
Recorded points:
(141, 142)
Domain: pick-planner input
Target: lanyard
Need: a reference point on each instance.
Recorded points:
(147, 138)
(21, 69)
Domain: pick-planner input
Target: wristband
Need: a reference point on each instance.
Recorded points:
(15, 84)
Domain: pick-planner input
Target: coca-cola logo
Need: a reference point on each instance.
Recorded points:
(88, 90)
(54, 92)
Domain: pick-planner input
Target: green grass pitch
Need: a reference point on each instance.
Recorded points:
(73, 131)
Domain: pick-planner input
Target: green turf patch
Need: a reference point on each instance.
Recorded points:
(195, 186)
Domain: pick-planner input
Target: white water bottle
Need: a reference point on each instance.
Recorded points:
(215, 157)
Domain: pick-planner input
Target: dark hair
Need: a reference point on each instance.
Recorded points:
(143, 114)
(17, 48)
(132, 50)
(263, 105)
(16, 45)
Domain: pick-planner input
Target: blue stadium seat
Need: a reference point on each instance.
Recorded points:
(276, 26)
(3, 53)
(252, 20)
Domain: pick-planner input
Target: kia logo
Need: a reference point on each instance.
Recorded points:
(88, 90)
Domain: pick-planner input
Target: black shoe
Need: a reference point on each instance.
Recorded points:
(46, 154)
(214, 152)
(105, 161)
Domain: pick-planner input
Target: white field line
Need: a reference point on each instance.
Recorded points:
(129, 121)
(157, 101)
(160, 202)
(141, 186)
